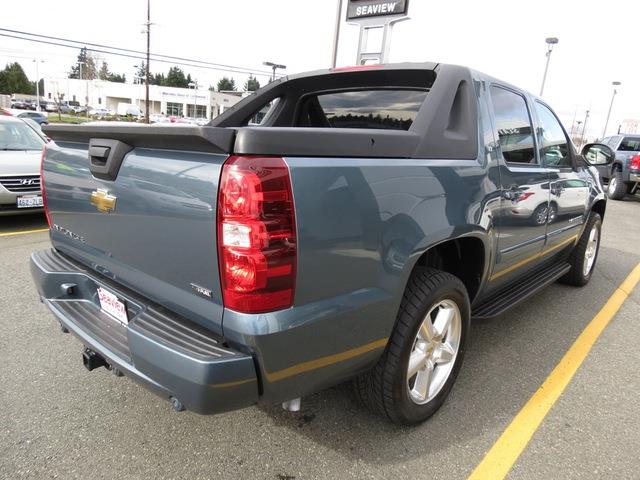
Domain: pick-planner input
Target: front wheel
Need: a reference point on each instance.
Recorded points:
(423, 357)
(585, 253)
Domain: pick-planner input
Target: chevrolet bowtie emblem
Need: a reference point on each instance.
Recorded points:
(103, 200)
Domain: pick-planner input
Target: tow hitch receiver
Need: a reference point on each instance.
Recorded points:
(92, 360)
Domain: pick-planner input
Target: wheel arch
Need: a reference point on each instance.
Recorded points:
(464, 256)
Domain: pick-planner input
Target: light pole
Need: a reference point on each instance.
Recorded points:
(551, 41)
(194, 85)
(584, 127)
(606, 124)
(336, 35)
(37, 62)
(273, 67)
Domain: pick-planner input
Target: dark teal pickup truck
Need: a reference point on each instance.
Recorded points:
(336, 225)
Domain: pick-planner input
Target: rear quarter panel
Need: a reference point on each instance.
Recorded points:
(362, 225)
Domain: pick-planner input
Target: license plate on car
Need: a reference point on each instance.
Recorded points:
(30, 201)
(112, 305)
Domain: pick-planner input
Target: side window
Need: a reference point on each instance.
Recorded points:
(513, 124)
(554, 146)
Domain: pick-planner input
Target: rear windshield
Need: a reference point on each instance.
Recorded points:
(630, 144)
(394, 109)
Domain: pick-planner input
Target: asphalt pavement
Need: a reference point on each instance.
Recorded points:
(60, 421)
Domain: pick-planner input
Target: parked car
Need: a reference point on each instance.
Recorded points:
(99, 112)
(228, 265)
(20, 153)
(18, 103)
(78, 109)
(619, 164)
(51, 107)
(39, 117)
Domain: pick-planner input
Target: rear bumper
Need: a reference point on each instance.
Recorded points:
(634, 177)
(169, 355)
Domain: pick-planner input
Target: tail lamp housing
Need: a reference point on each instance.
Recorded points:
(634, 164)
(257, 249)
(44, 192)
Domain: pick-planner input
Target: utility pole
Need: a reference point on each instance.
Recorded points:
(146, 87)
(273, 68)
(336, 35)
(584, 127)
(606, 124)
(37, 83)
(551, 41)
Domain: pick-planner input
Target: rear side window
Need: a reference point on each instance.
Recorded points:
(554, 146)
(630, 144)
(513, 124)
(375, 108)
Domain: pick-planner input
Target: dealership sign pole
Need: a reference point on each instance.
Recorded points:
(376, 19)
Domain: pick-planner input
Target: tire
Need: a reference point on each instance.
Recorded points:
(617, 188)
(553, 213)
(579, 275)
(540, 215)
(385, 389)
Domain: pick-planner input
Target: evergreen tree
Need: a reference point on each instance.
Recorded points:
(252, 84)
(226, 84)
(14, 80)
(85, 65)
(176, 78)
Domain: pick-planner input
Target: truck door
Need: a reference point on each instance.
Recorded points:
(570, 183)
(524, 203)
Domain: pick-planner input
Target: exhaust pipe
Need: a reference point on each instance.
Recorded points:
(92, 360)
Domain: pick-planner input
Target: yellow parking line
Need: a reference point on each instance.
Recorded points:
(503, 454)
(23, 232)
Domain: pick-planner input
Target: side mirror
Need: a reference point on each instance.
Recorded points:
(598, 154)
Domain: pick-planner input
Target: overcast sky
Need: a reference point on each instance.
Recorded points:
(598, 41)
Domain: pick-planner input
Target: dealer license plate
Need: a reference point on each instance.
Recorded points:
(30, 201)
(112, 305)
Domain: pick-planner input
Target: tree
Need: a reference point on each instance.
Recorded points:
(226, 84)
(14, 80)
(88, 64)
(176, 78)
(105, 74)
(252, 84)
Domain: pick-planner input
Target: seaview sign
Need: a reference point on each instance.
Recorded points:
(375, 8)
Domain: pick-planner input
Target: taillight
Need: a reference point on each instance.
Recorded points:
(256, 234)
(635, 162)
(44, 193)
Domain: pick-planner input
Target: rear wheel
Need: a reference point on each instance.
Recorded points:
(617, 188)
(585, 253)
(424, 354)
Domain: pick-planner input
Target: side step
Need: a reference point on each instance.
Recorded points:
(518, 292)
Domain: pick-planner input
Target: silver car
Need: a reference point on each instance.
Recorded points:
(20, 152)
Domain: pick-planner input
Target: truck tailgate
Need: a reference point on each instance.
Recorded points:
(152, 227)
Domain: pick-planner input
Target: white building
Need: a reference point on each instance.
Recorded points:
(181, 102)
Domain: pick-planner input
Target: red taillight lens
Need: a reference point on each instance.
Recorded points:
(635, 162)
(44, 193)
(256, 234)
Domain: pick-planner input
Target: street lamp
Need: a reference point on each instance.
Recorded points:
(274, 66)
(584, 127)
(551, 41)
(37, 62)
(606, 124)
(194, 85)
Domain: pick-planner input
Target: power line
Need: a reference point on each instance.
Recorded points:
(138, 55)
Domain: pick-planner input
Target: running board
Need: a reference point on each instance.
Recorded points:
(518, 292)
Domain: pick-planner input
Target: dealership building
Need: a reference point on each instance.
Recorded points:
(180, 102)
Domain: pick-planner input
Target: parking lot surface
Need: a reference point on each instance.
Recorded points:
(60, 421)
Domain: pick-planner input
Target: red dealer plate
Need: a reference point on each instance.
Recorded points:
(111, 305)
